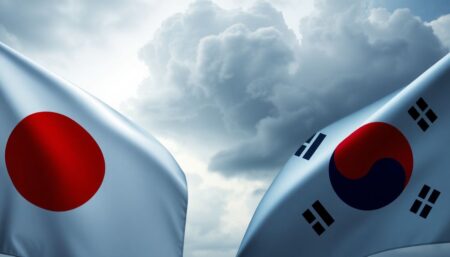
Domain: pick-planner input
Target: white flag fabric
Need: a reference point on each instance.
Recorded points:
(374, 181)
(431, 250)
(78, 179)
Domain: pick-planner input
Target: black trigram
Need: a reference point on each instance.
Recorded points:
(324, 215)
(430, 200)
(310, 147)
(424, 115)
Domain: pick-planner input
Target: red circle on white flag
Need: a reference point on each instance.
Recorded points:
(53, 162)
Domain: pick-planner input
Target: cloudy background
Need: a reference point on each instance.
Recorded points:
(231, 87)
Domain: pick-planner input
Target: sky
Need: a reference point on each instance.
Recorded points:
(230, 87)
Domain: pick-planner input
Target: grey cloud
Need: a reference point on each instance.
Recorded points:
(53, 24)
(206, 207)
(212, 70)
(218, 215)
(241, 83)
(346, 60)
(238, 68)
(441, 28)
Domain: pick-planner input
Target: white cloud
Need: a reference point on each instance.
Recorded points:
(441, 28)
(51, 24)
(240, 82)
(90, 43)
(219, 209)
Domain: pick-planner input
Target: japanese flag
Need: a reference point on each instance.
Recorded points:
(374, 181)
(76, 178)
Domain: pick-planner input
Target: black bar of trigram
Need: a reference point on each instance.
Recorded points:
(413, 113)
(431, 115)
(318, 228)
(424, 191)
(312, 149)
(422, 104)
(300, 150)
(309, 216)
(416, 206)
(425, 211)
(326, 217)
(434, 196)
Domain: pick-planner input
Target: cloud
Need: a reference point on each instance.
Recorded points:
(346, 60)
(206, 208)
(219, 208)
(427, 12)
(52, 24)
(441, 28)
(240, 84)
(217, 216)
(211, 71)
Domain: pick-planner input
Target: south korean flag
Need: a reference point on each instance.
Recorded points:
(374, 181)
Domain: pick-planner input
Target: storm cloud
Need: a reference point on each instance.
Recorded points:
(242, 84)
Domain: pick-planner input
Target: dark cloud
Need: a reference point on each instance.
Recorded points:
(62, 24)
(241, 83)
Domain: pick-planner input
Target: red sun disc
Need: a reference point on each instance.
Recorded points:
(53, 162)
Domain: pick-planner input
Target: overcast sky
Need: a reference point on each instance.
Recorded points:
(230, 87)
